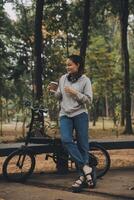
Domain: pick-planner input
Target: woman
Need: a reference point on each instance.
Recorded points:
(75, 92)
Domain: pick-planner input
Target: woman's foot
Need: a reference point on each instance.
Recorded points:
(78, 184)
(89, 176)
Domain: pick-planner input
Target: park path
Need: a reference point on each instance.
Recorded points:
(117, 184)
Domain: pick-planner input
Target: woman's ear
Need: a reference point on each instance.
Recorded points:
(78, 65)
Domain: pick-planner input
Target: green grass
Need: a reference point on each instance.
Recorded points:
(12, 133)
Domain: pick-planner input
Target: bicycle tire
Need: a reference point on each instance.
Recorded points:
(95, 150)
(22, 175)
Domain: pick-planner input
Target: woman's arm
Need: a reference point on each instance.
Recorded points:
(87, 95)
(57, 93)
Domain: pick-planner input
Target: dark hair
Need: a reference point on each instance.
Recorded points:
(77, 60)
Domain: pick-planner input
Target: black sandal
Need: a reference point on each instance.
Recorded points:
(91, 182)
(78, 184)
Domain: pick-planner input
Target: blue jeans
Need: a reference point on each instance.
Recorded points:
(79, 151)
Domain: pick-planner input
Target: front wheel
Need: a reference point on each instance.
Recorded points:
(99, 157)
(19, 165)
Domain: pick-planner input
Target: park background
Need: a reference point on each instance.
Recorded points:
(34, 46)
(36, 36)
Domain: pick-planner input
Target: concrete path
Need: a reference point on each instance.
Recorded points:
(116, 185)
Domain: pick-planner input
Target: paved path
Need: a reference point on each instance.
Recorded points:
(116, 185)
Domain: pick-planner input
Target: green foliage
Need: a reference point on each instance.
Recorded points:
(62, 31)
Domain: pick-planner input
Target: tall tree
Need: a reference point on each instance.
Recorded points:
(124, 13)
(38, 59)
(38, 49)
(85, 29)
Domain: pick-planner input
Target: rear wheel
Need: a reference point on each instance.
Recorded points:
(19, 165)
(99, 157)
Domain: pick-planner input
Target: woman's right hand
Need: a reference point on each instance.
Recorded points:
(52, 86)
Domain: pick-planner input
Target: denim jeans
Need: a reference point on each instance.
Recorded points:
(79, 151)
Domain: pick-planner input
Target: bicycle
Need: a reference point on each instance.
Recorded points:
(20, 164)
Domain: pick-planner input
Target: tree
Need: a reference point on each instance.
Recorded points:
(38, 59)
(124, 13)
(85, 29)
(38, 49)
(6, 31)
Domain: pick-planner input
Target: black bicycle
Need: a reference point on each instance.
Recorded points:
(20, 164)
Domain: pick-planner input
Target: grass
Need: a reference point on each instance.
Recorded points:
(119, 158)
(12, 133)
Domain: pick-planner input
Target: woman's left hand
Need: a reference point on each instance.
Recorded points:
(70, 90)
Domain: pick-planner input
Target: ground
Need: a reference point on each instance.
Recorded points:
(117, 184)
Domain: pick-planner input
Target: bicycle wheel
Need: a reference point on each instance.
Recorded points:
(19, 165)
(99, 157)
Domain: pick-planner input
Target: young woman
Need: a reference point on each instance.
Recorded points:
(75, 93)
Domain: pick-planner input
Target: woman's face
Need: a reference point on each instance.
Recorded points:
(71, 66)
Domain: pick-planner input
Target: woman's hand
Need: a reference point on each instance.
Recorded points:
(49, 88)
(52, 87)
(70, 90)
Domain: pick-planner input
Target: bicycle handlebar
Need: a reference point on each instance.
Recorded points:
(35, 109)
(40, 110)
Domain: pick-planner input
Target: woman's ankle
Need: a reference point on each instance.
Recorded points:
(87, 169)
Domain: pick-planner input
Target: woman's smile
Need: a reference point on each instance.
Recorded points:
(71, 67)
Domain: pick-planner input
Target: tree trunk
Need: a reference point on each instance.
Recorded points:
(122, 122)
(67, 26)
(106, 106)
(38, 58)
(7, 113)
(132, 107)
(103, 123)
(1, 116)
(38, 49)
(122, 110)
(85, 29)
(95, 111)
(94, 116)
(124, 12)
